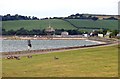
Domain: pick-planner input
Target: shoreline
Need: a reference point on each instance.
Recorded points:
(99, 42)
(44, 51)
(38, 52)
(43, 38)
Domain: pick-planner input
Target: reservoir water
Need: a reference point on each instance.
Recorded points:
(21, 45)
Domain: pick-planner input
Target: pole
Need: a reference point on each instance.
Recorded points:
(29, 47)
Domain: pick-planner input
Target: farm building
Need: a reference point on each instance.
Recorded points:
(86, 35)
(49, 29)
(108, 34)
(50, 32)
(64, 33)
(100, 35)
(118, 35)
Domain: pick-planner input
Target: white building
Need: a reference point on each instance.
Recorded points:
(64, 33)
(86, 35)
(100, 35)
(108, 34)
(118, 35)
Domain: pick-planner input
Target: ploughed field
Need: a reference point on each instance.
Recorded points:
(89, 62)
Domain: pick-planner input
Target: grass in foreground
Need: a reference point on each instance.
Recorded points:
(92, 62)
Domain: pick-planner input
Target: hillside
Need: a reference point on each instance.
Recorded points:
(67, 24)
(36, 24)
(90, 24)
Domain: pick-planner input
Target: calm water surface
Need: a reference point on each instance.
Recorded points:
(20, 45)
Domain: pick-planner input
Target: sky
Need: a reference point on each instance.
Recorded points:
(58, 8)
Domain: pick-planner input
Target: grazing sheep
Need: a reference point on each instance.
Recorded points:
(29, 56)
(10, 57)
(56, 58)
(17, 57)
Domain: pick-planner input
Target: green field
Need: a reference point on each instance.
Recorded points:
(60, 24)
(36, 24)
(108, 24)
(91, 62)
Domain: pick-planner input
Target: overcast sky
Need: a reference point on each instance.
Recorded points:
(54, 8)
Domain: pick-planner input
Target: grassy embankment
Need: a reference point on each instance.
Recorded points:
(92, 62)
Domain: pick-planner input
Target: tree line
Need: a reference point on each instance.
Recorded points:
(73, 16)
(23, 31)
(18, 17)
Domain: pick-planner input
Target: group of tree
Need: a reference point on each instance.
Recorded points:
(81, 16)
(18, 17)
(110, 18)
(73, 16)
(90, 17)
(23, 31)
(71, 32)
(114, 33)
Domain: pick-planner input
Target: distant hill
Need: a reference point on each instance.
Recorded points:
(90, 24)
(74, 24)
(67, 24)
(37, 24)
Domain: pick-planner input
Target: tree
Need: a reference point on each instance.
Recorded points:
(114, 33)
(16, 16)
(3, 31)
(11, 32)
(34, 18)
(22, 31)
(95, 18)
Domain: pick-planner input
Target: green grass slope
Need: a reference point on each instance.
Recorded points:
(60, 24)
(108, 24)
(92, 62)
(36, 24)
